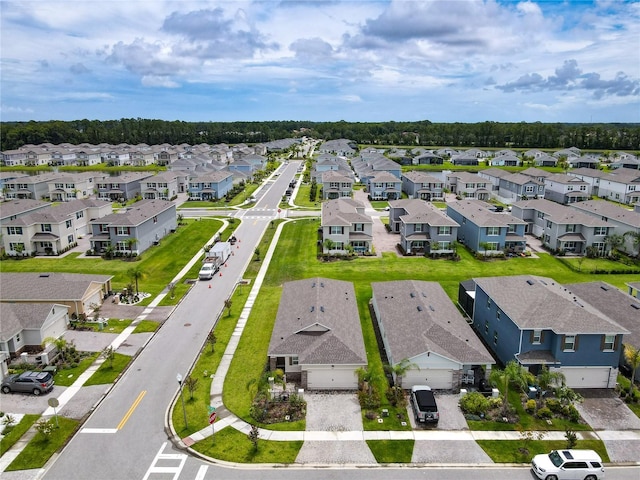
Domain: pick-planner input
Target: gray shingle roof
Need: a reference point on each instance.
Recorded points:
(318, 321)
(419, 317)
(343, 211)
(20, 316)
(561, 214)
(533, 302)
(46, 286)
(137, 213)
(477, 212)
(609, 210)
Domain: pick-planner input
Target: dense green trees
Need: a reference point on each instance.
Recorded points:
(610, 136)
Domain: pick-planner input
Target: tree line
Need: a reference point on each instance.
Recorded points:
(604, 136)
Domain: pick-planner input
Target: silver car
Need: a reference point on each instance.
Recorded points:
(28, 382)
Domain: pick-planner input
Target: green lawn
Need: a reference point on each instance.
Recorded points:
(391, 451)
(146, 326)
(302, 198)
(107, 373)
(232, 446)
(40, 448)
(509, 451)
(12, 434)
(66, 376)
(159, 264)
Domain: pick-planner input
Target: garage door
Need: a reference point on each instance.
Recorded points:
(331, 379)
(439, 379)
(588, 377)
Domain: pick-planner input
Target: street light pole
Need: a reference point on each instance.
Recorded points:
(184, 411)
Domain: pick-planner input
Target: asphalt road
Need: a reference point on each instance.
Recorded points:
(125, 438)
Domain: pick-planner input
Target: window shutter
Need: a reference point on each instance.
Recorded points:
(616, 342)
(602, 338)
(575, 347)
(542, 336)
(563, 339)
(531, 337)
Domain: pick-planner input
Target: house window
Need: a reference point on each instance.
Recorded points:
(570, 188)
(537, 337)
(335, 230)
(17, 246)
(583, 187)
(488, 303)
(417, 227)
(104, 228)
(540, 215)
(486, 326)
(540, 188)
(495, 337)
(293, 360)
(569, 343)
(493, 230)
(444, 245)
(68, 223)
(599, 247)
(600, 231)
(608, 343)
(122, 231)
(491, 246)
(444, 230)
(511, 228)
(570, 228)
(498, 313)
(14, 230)
(548, 224)
(338, 245)
(45, 227)
(358, 227)
(547, 238)
(121, 246)
(70, 238)
(529, 189)
(155, 219)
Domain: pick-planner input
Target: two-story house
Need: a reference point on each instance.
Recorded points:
(135, 228)
(423, 228)
(384, 186)
(484, 230)
(417, 184)
(346, 226)
(517, 187)
(163, 186)
(566, 189)
(336, 185)
(621, 185)
(468, 185)
(34, 187)
(536, 321)
(122, 187)
(562, 228)
(72, 186)
(493, 176)
(210, 186)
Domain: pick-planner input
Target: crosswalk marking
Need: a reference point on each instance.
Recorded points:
(166, 457)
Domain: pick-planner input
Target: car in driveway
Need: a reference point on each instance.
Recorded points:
(424, 404)
(28, 382)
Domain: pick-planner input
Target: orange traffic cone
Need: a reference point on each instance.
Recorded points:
(220, 273)
(209, 285)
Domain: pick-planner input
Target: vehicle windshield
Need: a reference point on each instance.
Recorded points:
(555, 458)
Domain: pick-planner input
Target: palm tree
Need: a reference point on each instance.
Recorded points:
(513, 373)
(227, 304)
(547, 378)
(614, 241)
(131, 242)
(136, 274)
(367, 377)
(400, 369)
(632, 356)
(60, 343)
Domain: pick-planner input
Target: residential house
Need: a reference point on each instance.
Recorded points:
(482, 229)
(37, 156)
(116, 157)
(52, 230)
(26, 325)
(419, 323)
(384, 186)
(317, 338)
(585, 161)
(633, 289)
(566, 189)
(14, 158)
(210, 186)
(79, 292)
(8, 177)
(545, 161)
(335, 185)
(72, 186)
(423, 228)
(86, 157)
(428, 158)
(121, 188)
(516, 186)
(464, 158)
(341, 147)
(493, 175)
(134, 229)
(568, 153)
(346, 226)
(417, 184)
(617, 305)
(538, 322)
(61, 157)
(536, 173)
(620, 220)
(468, 185)
(34, 187)
(163, 186)
(164, 155)
(506, 161)
(628, 161)
(142, 155)
(621, 185)
(562, 228)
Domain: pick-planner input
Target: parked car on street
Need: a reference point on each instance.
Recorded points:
(28, 382)
(568, 465)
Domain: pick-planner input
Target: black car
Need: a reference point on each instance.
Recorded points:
(28, 382)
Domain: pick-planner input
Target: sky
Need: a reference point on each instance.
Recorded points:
(357, 60)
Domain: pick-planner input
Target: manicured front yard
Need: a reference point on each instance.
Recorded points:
(522, 451)
(109, 371)
(391, 451)
(11, 434)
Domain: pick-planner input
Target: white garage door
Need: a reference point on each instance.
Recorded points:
(331, 379)
(439, 379)
(588, 377)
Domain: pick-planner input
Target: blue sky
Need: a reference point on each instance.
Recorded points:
(444, 61)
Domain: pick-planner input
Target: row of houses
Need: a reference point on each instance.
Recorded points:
(32, 227)
(577, 330)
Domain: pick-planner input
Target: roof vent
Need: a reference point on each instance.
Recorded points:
(636, 306)
(312, 308)
(606, 289)
(322, 309)
(412, 295)
(44, 275)
(419, 308)
(431, 308)
(530, 282)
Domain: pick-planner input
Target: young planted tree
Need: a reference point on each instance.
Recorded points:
(257, 253)
(211, 340)
(254, 436)
(227, 304)
(59, 343)
(512, 374)
(635, 240)
(632, 356)
(191, 383)
(109, 354)
(546, 378)
(400, 369)
(131, 242)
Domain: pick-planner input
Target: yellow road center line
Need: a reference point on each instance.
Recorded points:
(130, 411)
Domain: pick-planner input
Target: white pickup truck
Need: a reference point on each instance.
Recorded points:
(207, 271)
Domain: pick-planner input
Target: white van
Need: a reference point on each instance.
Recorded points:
(568, 465)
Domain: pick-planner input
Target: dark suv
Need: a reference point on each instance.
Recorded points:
(424, 404)
(28, 382)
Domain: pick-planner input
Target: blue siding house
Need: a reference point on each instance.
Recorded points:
(211, 186)
(485, 230)
(536, 321)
